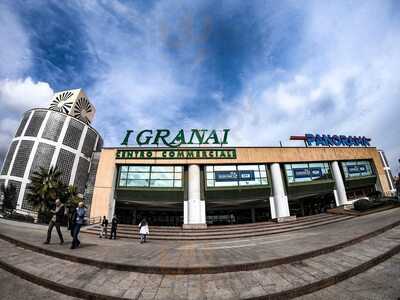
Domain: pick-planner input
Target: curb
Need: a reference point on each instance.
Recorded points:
(198, 270)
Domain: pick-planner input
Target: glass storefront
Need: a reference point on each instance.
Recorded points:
(236, 175)
(307, 172)
(357, 168)
(150, 176)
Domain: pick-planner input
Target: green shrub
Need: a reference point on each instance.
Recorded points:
(20, 217)
(362, 205)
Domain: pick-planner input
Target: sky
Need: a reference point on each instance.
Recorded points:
(264, 69)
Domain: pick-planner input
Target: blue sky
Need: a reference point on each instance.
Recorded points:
(265, 69)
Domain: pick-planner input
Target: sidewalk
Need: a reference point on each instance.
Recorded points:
(194, 254)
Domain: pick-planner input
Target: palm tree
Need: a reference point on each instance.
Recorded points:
(70, 196)
(45, 188)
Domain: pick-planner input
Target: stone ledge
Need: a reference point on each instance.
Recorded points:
(194, 226)
(285, 219)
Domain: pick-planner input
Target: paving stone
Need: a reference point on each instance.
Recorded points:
(132, 293)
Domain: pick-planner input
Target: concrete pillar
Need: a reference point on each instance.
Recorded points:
(340, 192)
(279, 201)
(194, 209)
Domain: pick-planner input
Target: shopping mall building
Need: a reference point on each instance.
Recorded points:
(172, 180)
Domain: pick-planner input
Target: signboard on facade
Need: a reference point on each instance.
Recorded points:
(333, 140)
(356, 168)
(307, 172)
(182, 137)
(176, 154)
(242, 175)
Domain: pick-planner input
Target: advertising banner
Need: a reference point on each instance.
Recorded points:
(356, 169)
(307, 172)
(245, 175)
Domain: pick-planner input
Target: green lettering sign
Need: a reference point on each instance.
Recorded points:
(223, 153)
(163, 137)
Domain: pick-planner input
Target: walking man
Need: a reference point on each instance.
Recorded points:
(114, 224)
(57, 218)
(79, 220)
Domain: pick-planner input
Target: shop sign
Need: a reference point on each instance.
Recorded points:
(333, 140)
(307, 172)
(356, 169)
(176, 154)
(242, 175)
(164, 137)
(336, 140)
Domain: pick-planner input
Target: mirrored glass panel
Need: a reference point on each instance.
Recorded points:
(357, 168)
(150, 177)
(236, 175)
(307, 172)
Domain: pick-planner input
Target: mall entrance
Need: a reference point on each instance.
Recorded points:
(155, 217)
(160, 208)
(237, 216)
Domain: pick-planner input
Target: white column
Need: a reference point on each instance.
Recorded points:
(194, 210)
(280, 200)
(341, 197)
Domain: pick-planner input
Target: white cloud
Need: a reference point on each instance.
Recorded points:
(15, 54)
(17, 96)
(23, 94)
(350, 85)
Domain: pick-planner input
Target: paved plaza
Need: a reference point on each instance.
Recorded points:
(279, 266)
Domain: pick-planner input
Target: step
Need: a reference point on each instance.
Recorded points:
(135, 229)
(230, 227)
(282, 281)
(218, 235)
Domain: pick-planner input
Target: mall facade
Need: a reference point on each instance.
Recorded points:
(175, 185)
(198, 186)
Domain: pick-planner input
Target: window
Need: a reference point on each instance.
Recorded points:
(150, 177)
(357, 168)
(236, 175)
(307, 172)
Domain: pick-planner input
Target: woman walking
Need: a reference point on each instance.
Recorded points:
(143, 230)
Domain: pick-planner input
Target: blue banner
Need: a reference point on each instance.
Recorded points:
(244, 175)
(307, 172)
(356, 169)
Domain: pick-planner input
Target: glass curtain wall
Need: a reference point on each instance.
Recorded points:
(307, 172)
(236, 175)
(150, 177)
(357, 168)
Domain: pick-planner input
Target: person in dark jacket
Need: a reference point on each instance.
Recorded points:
(104, 227)
(56, 220)
(79, 221)
(114, 225)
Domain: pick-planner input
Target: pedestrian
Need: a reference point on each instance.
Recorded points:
(143, 230)
(79, 220)
(114, 225)
(103, 230)
(56, 220)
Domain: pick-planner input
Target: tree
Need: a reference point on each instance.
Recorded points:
(45, 188)
(9, 193)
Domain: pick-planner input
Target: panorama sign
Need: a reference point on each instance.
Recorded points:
(333, 140)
